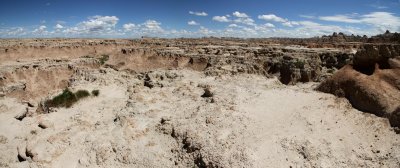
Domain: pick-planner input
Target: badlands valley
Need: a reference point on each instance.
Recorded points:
(332, 101)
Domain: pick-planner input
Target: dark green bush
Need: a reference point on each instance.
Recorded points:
(81, 94)
(67, 98)
(103, 59)
(95, 92)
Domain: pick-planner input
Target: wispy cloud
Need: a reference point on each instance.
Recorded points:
(379, 20)
(378, 5)
(340, 18)
(198, 13)
(13, 32)
(272, 17)
(308, 16)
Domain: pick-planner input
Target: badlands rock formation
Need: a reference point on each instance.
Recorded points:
(372, 82)
(210, 102)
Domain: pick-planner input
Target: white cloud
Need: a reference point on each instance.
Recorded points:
(129, 26)
(13, 32)
(272, 17)
(221, 19)
(99, 23)
(380, 20)
(243, 18)
(152, 26)
(193, 23)
(247, 21)
(233, 25)
(290, 23)
(240, 15)
(40, 31)
(205, 31)
(95, 25)
(198, 13)
(339, 18)
(270, 25)
(58, 26)
(309, 28)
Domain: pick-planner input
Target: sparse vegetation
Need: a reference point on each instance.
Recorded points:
(86, 56)
(81, 94)
(103, 59)
(299, 64)
(95, 92)
(67, 98)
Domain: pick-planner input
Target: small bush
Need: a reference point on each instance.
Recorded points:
(81, 94)
(95, 92)
(103, 59)
(67, 98)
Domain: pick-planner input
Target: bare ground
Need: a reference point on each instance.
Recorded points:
(243, 121)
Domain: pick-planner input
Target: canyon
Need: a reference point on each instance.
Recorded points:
(332, 101)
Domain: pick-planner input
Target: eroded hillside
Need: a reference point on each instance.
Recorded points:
(211, 102)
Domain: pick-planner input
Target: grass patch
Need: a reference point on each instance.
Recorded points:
(95, 92)
(67, 98)
(103, 59)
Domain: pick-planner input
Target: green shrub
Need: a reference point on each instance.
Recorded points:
(103, 59)
(67, 98)
(95, 92)
(81, 94)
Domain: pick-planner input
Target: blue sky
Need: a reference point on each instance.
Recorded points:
(196, 18)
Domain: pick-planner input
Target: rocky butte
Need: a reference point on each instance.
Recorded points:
(332, 101)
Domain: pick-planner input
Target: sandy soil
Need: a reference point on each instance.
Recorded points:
(245, 121)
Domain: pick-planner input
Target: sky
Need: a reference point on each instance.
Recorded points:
(195, 18)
